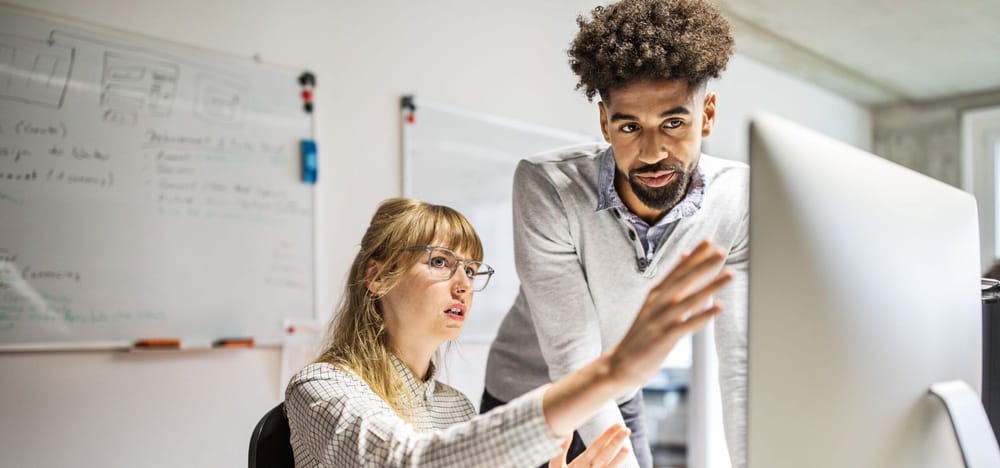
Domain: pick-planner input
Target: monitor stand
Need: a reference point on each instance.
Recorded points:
(972, 427)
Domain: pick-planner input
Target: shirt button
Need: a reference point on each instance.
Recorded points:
(631, 234)
(641, 262)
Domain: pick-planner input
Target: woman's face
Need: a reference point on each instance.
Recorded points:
(425, 310)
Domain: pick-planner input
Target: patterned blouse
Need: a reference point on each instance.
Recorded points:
(338, 421)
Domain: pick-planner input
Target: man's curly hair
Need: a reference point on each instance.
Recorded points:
(685, 40)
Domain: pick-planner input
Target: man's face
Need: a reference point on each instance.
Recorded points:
(655, 128)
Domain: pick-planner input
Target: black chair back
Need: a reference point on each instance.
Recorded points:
(270, 443)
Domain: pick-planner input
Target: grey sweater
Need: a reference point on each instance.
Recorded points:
(583, 279)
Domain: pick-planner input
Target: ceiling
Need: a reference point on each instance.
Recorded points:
(875, 51)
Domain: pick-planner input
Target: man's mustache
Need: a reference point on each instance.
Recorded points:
(656, 167)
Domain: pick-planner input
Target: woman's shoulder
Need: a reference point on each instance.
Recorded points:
(320, 371)
(333, 394)
(329, 379)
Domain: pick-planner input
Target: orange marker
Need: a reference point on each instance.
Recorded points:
(233, 343)
(158, 343)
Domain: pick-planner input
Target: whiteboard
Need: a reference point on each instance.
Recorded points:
(466, 160)
(147, 190)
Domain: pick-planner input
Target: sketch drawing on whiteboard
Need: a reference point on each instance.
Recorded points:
(131, 83)
(220, 100)
(34, 72)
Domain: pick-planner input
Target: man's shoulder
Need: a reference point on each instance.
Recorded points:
(712, 165)
(734, 175)
(574, 154)
(566, 165)
(727, 186)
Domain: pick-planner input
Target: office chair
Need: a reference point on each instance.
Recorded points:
(270, 443)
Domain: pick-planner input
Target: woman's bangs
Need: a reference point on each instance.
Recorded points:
(460, 234)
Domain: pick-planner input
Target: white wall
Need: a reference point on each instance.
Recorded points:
(172, 409)
(748, 86)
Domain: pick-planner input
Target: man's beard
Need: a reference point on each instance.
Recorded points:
(659, 198)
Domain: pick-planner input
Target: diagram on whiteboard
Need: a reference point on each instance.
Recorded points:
(34, 72)
(131, 84)
(220, 101)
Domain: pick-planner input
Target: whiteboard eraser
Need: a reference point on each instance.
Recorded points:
(310, 161)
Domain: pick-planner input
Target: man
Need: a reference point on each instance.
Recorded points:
(596, 225)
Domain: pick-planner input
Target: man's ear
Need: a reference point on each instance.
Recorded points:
(373, 281)
(708, 115)
(605, 129)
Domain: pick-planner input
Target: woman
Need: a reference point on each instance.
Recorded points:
(371, 398)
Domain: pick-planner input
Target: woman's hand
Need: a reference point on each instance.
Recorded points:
(674, 307)
(607, 451)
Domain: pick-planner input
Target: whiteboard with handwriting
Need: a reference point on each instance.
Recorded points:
(147, 190)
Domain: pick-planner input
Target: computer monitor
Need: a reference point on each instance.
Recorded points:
(864, 291)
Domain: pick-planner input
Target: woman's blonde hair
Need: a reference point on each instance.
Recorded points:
(357, 339)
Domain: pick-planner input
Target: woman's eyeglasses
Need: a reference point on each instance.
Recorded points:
(443, 263)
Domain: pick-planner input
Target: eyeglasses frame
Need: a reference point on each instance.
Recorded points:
(459, 260)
